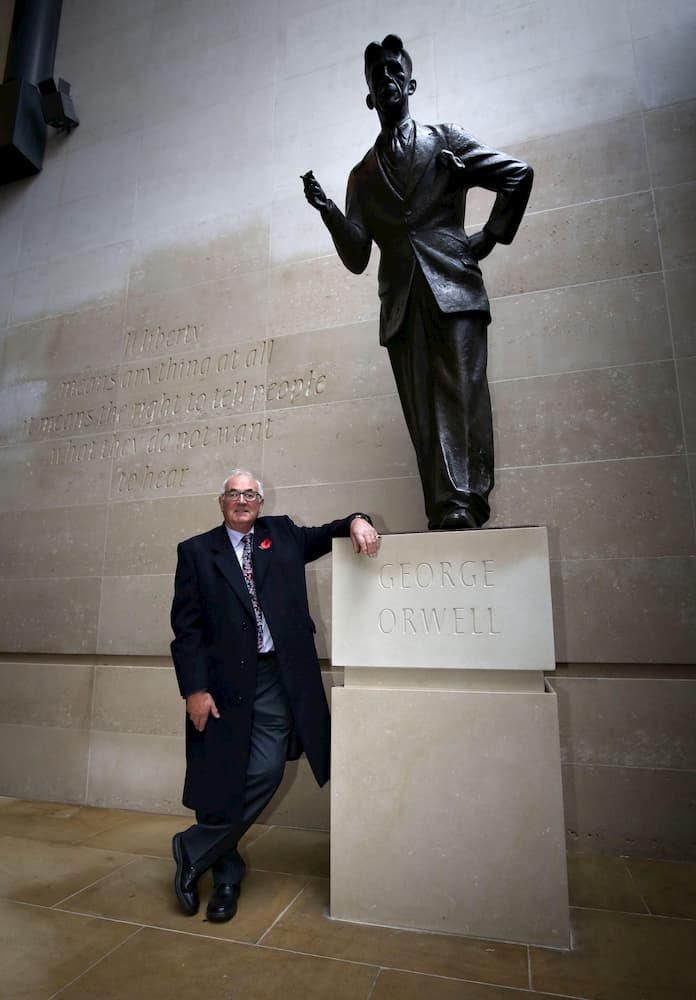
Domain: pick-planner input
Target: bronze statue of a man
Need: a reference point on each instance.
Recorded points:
(408, 194)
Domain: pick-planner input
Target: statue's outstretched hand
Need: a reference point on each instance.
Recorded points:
(314, 192)
(481, 244)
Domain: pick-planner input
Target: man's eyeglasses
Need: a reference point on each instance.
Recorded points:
(248, 495)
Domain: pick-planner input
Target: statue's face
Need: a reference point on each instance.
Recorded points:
(389, 84)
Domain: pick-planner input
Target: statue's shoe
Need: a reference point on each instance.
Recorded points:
(458, 520)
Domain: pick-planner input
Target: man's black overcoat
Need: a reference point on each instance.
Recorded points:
(214, 649)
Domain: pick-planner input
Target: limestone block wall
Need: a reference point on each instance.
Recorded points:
(170, 308)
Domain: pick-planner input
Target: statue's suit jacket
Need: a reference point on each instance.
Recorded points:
(424, 224)
(214, 649)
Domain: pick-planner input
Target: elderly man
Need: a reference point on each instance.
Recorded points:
(408, 195)
(247, 666)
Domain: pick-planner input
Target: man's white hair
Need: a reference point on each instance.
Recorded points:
(242, 472)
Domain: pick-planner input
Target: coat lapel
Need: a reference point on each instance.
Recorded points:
(377, 174)
(427, 145)
(262, 554)
(226, 561)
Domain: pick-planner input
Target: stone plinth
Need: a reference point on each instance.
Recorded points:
(479, 600)
(446, 803)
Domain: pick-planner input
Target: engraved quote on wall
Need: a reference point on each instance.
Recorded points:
(169, 401)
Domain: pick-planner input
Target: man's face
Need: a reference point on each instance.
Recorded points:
(390, 85)
(240, 514)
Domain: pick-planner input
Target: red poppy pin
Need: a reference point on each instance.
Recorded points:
(266, 544)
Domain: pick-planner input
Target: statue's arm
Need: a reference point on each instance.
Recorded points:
(512, 182)
(510, 179)
(352, 241)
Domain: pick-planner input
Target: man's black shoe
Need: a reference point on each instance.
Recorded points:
(222, 905)
(186, 878)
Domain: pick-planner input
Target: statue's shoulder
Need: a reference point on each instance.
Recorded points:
(364, 169)
(450, 131)
(456, 137)
(367, 162)
(446, 135)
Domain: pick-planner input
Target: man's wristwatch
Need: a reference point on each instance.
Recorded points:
(365, 517)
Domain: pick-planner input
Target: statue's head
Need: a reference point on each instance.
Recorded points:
(388, 74)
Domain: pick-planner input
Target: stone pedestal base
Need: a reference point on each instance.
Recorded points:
(446, 808)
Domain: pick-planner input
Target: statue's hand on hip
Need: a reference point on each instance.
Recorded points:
(481, 244)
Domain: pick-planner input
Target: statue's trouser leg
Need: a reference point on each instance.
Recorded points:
(212, 842)
(439, 363)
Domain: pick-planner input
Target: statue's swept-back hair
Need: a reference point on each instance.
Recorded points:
(391, 44)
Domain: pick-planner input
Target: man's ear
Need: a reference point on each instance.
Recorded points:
(411, 87)
(370, 103)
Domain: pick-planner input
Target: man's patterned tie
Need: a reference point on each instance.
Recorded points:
(249, 580)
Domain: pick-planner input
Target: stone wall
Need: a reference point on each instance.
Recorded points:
(170, 308)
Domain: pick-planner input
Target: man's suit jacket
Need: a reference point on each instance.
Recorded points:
(214, 649)
(424, 224)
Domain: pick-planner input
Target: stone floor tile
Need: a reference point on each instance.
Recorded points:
(621, 956)
(141, 833)
(254, 832)
(143, 893)
(634, 924)
(668, 887)
(306, 927)
(392, 985)
(151, 834)
(57, 822)
(35, 871)
(43, 950)
(297, 852)
(602, 883)
(158, 965)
